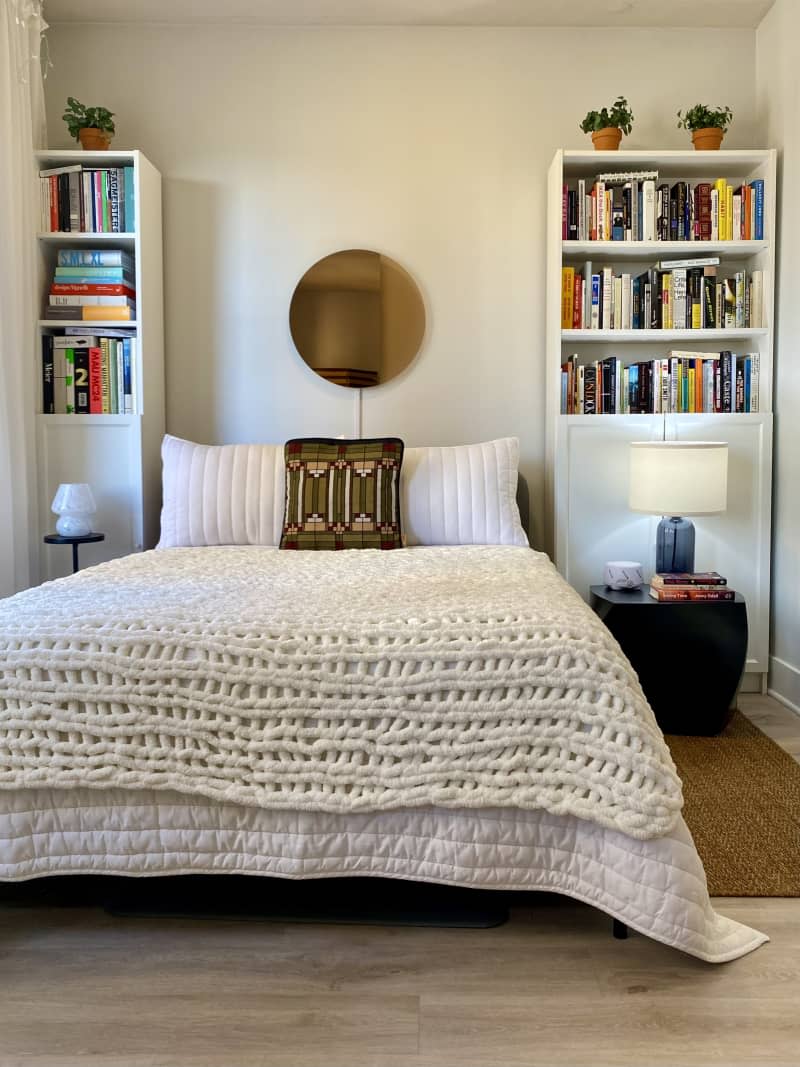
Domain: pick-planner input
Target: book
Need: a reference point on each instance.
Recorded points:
(95, 380)
(667, 595)
(48, 391)
(91, 289)
(622, 176)
(81, 372)
(567, 296)
(686, 578)
(89, 275)
(89, 300)
(94, 257)
(704, 261)
(100, 313)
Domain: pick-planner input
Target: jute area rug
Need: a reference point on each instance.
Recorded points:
(742, 806)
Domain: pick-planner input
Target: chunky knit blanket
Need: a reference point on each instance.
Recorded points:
(332, 681)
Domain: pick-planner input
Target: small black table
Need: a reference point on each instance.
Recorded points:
(689, 655)
(85, 539)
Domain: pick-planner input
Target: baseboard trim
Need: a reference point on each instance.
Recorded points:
(784, 683)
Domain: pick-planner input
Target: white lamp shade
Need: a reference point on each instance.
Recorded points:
(74, 504)
(75, 498)
(678, 477)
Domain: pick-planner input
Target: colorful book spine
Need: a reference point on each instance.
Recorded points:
(676, 595)
(48, 392)
(688, 578)
(81, 371)
(94, 257)
(95, 380)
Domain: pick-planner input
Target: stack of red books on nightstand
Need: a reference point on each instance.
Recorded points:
(702, 585)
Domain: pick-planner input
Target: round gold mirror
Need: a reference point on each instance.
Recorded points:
(357, 318)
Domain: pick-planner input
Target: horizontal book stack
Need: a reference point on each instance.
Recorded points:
(78, 199)
(674, 295)
(634, 206)
(93, 285)
(89, 374)
(681, 383)
(701, 586)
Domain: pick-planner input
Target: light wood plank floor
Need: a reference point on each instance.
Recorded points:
(549, 988)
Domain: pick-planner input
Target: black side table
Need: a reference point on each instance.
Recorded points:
(689, 655)
(86, 539)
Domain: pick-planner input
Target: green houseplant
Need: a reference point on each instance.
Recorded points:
(608, 125)
(92, 126)
(707, 124)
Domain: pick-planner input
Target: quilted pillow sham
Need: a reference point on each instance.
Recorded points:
(462, 495)
(342, 494)
(220, 494)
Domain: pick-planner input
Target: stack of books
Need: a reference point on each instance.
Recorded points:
(93, 285)
(78, 199)
(676, 294)
(633, 206)
(699, 586)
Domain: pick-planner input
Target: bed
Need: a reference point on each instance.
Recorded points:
(452, 714)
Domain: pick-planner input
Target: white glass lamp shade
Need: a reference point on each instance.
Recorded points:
(678, 477)
(74, 505)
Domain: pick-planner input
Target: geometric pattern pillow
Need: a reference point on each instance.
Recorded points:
(342, 494)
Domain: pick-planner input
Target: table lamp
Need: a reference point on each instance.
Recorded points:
(74, 505)
(674, 479)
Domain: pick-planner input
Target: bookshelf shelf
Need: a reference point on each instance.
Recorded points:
(655, 250)
(118, 455)
(116, 240)
(88, 420)
(659, 336)
(587, 455)
(104, 324)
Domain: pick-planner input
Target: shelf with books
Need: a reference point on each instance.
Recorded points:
(82, 274)
(682, 382)
(587, 459)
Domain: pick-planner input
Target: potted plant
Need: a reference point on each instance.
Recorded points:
(708, 124)
(607, 126)
(92, 126)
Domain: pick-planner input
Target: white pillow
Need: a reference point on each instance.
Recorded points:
(461, 495)
(221, 494)
(235, 494)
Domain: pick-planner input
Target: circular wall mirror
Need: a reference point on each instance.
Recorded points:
(357, 318)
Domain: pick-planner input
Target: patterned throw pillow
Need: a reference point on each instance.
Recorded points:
(342, 494)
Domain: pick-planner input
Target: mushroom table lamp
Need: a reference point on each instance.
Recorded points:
(674, 479)
(74, 505)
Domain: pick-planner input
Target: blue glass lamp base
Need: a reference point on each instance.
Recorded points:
(675, 546)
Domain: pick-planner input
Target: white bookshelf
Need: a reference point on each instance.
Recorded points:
(587, 455)
(118, 455)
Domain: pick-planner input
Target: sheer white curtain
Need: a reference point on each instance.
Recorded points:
(22, 128)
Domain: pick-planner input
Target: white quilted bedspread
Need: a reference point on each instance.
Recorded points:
(466, 677)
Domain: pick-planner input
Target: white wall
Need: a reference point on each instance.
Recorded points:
(431, 145)
(778, 94)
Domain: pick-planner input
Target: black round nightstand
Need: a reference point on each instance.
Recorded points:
(689, 655)
(86, 539)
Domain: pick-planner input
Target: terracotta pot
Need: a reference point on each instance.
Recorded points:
(94, 140)
(706, 139)
(607, 139)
